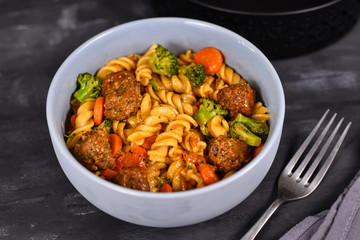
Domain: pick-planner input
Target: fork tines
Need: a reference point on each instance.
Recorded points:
(308, 177)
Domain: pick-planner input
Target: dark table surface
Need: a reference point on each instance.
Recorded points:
(36, 199)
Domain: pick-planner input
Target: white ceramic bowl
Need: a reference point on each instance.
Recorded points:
(177, 34)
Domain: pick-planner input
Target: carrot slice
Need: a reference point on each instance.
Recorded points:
(131, 160)
(108, 173)
(139, 150)
(208, 173)
(115, 143)
(210, 58)
(73, 120)
(166, 188)
(99, 110)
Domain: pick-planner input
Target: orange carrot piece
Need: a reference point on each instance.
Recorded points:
(208, 173)
(73, 120)
(99, 110)
(108, 173)
(148, 142)
(258, 149)
(135, 158)
(129, 160)
(115, 143)
(210, 58)
(140, 151)
(125, 160)
(166, 188)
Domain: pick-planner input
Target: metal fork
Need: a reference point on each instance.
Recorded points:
(295, 183)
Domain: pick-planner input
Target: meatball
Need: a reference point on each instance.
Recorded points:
(122, 95)
(228, 153)
(237, 98)
(93, 150)
(132, 177)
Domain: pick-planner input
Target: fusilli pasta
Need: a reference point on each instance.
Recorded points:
(171, 136)
(84, 121)
(186, 58)
(218, 126)
(183, 103)
(128, 63)
(229, 75)
(143, 71)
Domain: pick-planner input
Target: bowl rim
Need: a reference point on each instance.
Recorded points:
(61, 146)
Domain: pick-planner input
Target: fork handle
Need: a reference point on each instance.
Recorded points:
(251, 234)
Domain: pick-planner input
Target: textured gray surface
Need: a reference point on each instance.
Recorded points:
(36, 199)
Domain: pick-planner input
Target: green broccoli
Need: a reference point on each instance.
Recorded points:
(245, 128)
(107, 124)
(164, 62)
(90, 87)
(207, 110)
(155, 84)
(195, 73)
(256, 127)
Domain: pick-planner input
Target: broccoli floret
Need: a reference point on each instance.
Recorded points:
(238, 130)
(155, 84)
(164, 62)
(256, 127)
(207, 110)
(107, 124)
(90, 87)
(195, 73)
(245, 128)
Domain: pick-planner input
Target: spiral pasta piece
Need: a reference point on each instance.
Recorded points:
(154, 171)
(174, 174)
(179, 84)
(260, 112)
(192, 142)
(220, 84)
(186, 58)
(152, 123)
(184, 176)
(123, 63)
(210, 88)
(84, 121)
(192, 175)
(229, 75)
(183, 103)
(143, 70)
(118, 128)
(175, 153)
(145, 107)
(218, 126)
(207, 89)
(171, 136)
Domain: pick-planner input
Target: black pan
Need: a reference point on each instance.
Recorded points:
(279, 28)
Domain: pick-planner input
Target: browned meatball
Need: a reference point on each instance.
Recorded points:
(122, 95)
(132, 177)
(93, 150)
(237, 98)
(227, 153)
